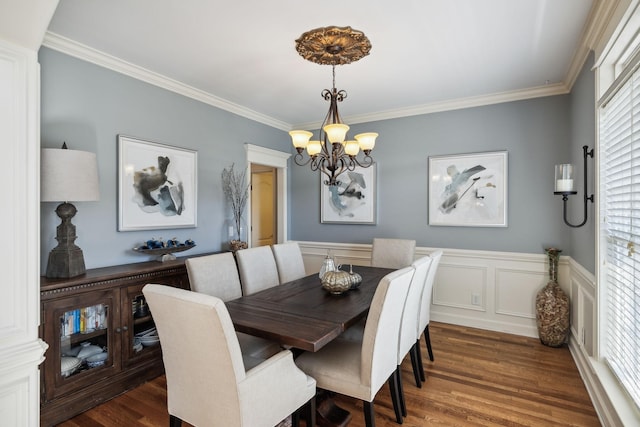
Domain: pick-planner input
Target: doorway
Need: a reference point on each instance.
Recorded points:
(263, 205)
(277, 160)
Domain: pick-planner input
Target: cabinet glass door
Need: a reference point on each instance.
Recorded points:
(140, 338)
(80, 334)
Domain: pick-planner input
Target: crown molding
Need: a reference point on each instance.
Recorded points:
(70, 47)
(449, 105)
(78, 50)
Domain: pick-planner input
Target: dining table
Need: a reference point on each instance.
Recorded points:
(302, 315)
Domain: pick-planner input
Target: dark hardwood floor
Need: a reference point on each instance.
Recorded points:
(479, 378)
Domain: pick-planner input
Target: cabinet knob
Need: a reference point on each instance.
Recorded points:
(118, 330)
(125, 328)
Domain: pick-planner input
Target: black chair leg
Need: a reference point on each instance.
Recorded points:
(306, 412)
(369, 416)
(415, 366)
(310, 412)
(427, 338)
(395, 396)
(403, 405)
(421, 366)
(174, 421)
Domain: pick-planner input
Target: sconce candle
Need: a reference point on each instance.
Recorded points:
(564, 186)
(564, 178)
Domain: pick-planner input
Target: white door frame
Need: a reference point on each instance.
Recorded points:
(277, 159)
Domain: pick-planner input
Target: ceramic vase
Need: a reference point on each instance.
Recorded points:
(552, 307)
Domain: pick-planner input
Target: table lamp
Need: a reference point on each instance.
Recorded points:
(67, 176)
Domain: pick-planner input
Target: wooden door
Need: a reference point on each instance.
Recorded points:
(263, 206)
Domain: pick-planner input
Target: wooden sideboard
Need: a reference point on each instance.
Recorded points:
(99, 309)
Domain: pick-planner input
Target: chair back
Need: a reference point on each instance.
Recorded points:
(258, 270)
(215, 275)
(392, 253)
(425, 305)
(378, 359)
(289, 261)
(411, 313)
(201, 354)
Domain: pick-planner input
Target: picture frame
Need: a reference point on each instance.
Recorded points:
(157, 185)
(468, 190)
(353, 201)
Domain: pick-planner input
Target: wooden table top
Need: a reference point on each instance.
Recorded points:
(303, 315)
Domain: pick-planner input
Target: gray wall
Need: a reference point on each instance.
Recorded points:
(534, 132)
(583, 128)
(88, 106)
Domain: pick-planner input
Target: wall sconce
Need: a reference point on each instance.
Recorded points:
(564, 185)
(67, 176)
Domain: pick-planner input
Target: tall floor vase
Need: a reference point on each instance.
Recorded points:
(552, 307)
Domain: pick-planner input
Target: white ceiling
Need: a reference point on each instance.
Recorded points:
(427, 55)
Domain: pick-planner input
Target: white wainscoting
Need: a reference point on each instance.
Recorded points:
(483, 289)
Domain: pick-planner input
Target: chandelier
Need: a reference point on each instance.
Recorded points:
(332, 153)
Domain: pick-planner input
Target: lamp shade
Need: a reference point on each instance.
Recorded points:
(367, 140)
(336, 132)
(68, 176)
(300, 138)
(314, 147)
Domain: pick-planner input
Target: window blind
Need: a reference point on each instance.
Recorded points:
(620, 199)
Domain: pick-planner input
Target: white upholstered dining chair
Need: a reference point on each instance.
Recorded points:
(289, 261)
(209, 382)
(425, 309)
(392, 253)
(257, 268)
(410, 315)
(217, 275)
(407, 343)
(360, 368)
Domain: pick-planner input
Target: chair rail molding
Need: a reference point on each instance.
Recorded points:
(483, 289)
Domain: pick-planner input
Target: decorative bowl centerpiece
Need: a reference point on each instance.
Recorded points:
(164, 250)
(336, 282)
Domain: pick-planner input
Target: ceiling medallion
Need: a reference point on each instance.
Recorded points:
(333, 45)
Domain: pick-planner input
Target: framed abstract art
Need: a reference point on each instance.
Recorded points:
(468, 190)
(157, 185)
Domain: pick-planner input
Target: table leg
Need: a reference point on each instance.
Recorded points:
(328, 414)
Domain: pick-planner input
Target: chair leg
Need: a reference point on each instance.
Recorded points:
(427, 339)
(421, 366)
(395, 396)
(369, 415)
(310, 412)
(306, 412)
(174, 421)
(415, 366)
(403, 405)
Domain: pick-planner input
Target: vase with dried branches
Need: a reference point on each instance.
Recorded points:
(236, 191)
